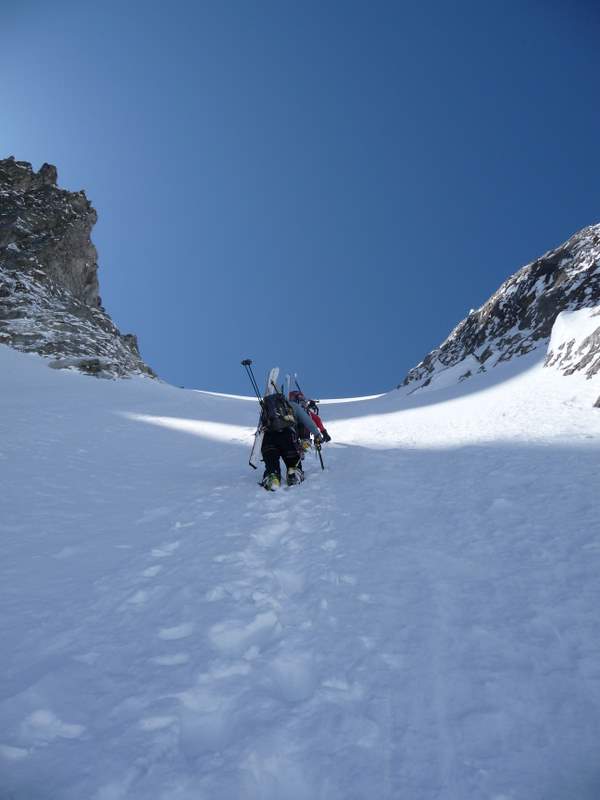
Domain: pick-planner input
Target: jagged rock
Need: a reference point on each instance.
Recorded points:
(49, 294)
(575, 342)
(519, 316)
(48, 173)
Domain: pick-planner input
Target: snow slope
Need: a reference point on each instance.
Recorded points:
(419, 621)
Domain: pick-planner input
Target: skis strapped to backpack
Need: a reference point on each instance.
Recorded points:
(270, 390)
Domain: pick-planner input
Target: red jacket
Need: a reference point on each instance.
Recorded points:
(317, 420)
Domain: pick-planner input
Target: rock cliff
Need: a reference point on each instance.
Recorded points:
(520, 316)
(49, 294)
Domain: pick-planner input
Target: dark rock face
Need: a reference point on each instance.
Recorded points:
(519, 316)
(49, 294)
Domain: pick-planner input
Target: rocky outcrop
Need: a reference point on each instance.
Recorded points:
(575, 342)
(519, 316)
(49, 294)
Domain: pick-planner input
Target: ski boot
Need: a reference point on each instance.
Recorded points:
(294, 475)
(271, 482)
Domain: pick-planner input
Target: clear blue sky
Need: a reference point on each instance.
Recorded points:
(326, 186)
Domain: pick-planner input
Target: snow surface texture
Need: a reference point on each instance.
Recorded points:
(518, 318)
(419, 621)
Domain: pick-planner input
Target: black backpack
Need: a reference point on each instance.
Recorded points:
(277, 413)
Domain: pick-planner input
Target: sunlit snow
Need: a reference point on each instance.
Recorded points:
(420, 620)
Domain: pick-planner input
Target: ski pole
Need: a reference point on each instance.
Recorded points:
(247, 363)
(301, 392)
(318, 448)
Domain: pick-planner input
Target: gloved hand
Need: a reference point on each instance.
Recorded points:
(318, 441)
(326, 436)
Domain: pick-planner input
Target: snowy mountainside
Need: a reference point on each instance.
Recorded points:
(49, 293)
(519, 316)
(419, 620)
(575, 342)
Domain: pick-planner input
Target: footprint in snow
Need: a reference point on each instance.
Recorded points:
(269, 534)
(43, 726)
(228, 558)
(177, 631)
(290, 582)
(218, 593)
(235, 637)
(152, 572)
(292, 676)
(139, 598)
(165, 550)
(329, 545)
(277, 514)
(336, 580)
(207, 721)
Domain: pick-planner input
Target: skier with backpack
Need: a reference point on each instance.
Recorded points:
(281, 419)
(276, 435)
(312, 409)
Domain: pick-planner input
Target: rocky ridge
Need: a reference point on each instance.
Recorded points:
(520, 315)
(49, 293)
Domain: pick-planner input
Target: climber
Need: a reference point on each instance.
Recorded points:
(311, 408)
(281, 421)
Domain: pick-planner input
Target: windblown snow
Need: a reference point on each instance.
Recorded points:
(420, 620)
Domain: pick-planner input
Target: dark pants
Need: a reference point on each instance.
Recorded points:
(280, 444)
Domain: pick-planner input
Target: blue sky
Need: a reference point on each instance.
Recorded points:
(329, 187)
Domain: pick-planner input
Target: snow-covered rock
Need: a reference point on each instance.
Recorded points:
(49, 300)
(519, 316)
(575, 342)
(443, 375)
